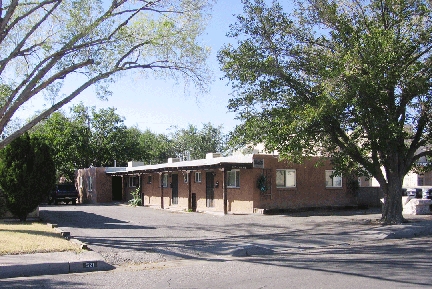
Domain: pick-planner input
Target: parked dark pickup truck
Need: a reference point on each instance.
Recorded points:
(64, 192)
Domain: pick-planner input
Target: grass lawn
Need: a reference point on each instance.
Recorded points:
(31, 237)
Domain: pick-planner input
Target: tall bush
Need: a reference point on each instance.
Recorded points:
(27, 174)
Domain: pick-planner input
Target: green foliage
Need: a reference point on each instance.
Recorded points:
(136, 198)
(3, 208)
(69, 140)
(98, 137)
(58, 49)
(157, 148)
(27, 174)
(349, 80)
(88, 137)
(111, 139)
(197, 142)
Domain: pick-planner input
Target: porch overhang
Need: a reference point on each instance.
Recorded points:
(226, 163)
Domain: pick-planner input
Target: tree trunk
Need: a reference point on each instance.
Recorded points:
(392, 208)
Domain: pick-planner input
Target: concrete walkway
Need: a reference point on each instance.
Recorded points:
(88, 261)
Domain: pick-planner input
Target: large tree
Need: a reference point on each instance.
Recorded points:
(27, 174)
(350, 80)
(155, 148)
(88, 137)
(56, 49)
(69, 139)
(111, 139)
(195, 143)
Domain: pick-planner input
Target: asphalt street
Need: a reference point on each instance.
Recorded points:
(390, 264)
(161, 249)
(123, 234)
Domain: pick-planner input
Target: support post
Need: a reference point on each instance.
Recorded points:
(225, 193)
(162, 189)
(189, 174)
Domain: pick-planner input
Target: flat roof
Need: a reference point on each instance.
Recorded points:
(230, 162)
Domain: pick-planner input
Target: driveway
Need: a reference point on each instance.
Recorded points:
(124, 234)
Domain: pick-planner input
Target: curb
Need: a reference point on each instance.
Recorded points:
(37, 264)
(411, 230)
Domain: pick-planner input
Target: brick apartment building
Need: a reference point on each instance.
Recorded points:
(235, 184)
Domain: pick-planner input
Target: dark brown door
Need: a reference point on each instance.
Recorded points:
(174, 184)
(117, 188)
(194, 202)
(209, 189)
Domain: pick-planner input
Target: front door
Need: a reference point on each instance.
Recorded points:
(209, 189)
(174, 184)
(117, 189)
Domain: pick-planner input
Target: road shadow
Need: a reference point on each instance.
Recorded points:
(406, 263)
(80, 219)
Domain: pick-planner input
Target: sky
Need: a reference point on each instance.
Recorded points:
(159, 105)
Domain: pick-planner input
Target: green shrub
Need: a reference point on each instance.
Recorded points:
(3, 208)
(27, 174)
(136, 198)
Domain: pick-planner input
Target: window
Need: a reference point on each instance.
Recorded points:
(233, 178)
(165, 180)
(420, 180)
(90, 183)
(285, 178)
(186, 177)
(197, 177)
(133, 181)
(149, 179)
(80, 182)
(332, 181)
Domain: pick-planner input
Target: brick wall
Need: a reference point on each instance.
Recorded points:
(103, 186)
(151, 190)
(101, 191)
(86, 194)
(310, 189)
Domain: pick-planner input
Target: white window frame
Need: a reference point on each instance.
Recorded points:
(164, 180)
(90, 183)
(233, 179)
(198, 178)
(133, 181)
(80, 182)
(186, 177)
(332, 182)
(289, 178)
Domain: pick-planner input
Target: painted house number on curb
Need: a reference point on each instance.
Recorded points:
(90, 264)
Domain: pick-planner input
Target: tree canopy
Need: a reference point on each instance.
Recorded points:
(348, 79)
(99, 137)
(53, 50)
(88, 136)
(194, 143)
